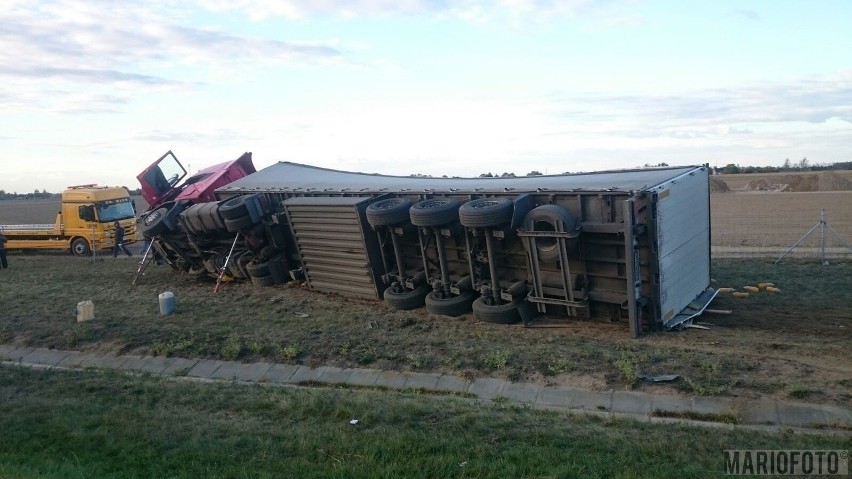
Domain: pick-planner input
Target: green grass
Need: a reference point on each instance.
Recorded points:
(798, 331)
(70, 424)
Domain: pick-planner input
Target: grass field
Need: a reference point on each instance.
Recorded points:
(78, 424)
(793, 344)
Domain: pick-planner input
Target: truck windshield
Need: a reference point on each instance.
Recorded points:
(165, 174)
(112, 210)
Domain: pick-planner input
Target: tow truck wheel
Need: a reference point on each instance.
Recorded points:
(80, 247)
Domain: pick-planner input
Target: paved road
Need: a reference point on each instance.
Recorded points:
(766, 414)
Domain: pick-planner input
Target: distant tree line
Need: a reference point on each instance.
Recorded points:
(46, 195)
(787, 166)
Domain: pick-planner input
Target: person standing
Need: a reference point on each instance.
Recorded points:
(119, 241)
(3, 263)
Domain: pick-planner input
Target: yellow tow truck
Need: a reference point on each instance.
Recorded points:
(83, 224)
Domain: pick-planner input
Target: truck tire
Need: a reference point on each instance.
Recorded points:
(80, 247)
(434, 212)
(452, 306)
(258, 269)
(550, 218)
(486, 212)
(239, 224)
(498, 314)
(154, 223)
(234, 208)
(262, 280)
(391, 211)
(408, 299)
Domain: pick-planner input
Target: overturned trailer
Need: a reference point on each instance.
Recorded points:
(631, 245)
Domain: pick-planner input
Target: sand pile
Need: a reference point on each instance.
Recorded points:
(825, 181)
(831, 181)
(718, 186)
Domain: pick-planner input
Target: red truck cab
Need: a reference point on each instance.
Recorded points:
(161, 181)
(167, 197)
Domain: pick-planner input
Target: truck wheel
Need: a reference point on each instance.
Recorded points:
(452, 306)
(258, 269)
(80, 247)
(486, 212)
(239, 224)
(388, 212)
(435, 212)
(234, 208)
(406, 300)
(154, 223)
(498, 314)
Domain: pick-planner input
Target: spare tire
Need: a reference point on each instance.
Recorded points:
(435, 212)
(550, 218)
(391, 211)
(486, 212)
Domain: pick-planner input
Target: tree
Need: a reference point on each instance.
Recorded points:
(534, 173)
(486, 175)
(804, 164)
(786, 165)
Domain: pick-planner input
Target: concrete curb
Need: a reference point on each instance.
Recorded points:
(739, 413)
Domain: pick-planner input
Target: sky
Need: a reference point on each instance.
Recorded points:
(93, 91)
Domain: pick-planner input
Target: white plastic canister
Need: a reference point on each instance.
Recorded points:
(167, 302)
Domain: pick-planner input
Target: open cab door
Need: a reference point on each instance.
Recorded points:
(159, 181)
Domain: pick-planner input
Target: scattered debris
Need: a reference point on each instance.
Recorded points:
(770, 289)
(462, 464)
(373, 324)
(751, 289)
(740, 295)
(657, 378)
(353, 422)
(725, 290)
(765, 285)
(695, 326)
(301, 315)
(718, 311)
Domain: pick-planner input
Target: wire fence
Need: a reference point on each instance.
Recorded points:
(767, 224)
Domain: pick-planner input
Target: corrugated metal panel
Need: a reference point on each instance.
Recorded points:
(329, 234)
(683, 241)
(286, 177)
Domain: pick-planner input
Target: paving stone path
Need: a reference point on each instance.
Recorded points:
(767, 414)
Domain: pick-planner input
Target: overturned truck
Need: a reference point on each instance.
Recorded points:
(630, 245)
